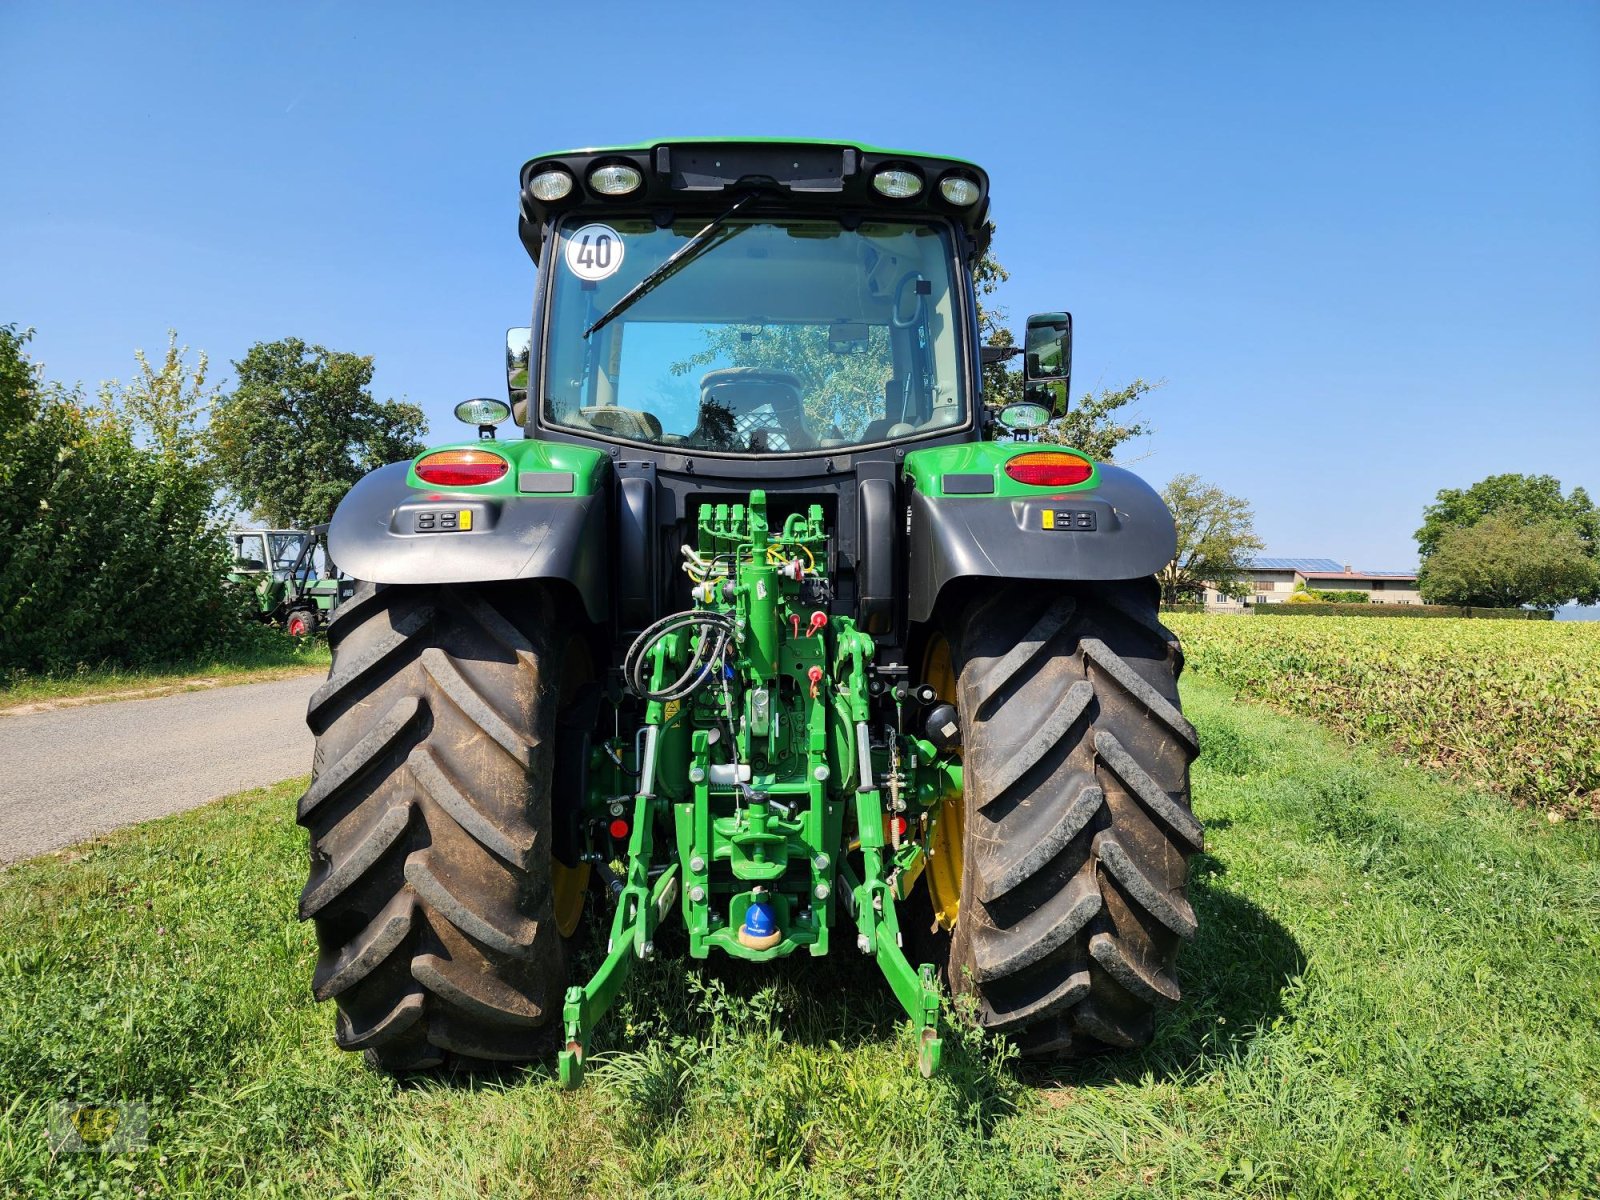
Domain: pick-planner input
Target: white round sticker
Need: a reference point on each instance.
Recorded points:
(594, 252)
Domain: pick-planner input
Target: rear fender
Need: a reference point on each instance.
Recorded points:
(967, 520)
(545, 519)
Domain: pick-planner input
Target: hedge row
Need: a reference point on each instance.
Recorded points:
(1399, 610)
(110, 548)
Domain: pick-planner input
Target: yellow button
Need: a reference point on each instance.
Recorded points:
(466, 518)
(1047, 519)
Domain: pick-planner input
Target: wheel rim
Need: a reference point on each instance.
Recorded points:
(297, 626)
(569, 885)
(944, 859)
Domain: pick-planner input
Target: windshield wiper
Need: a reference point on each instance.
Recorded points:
(674, 263)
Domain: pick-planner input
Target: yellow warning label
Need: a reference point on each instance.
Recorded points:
(670, 710)
(1047, 519)
(466, 518)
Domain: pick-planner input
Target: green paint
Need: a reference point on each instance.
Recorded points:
(587, 467)
(926, 468)
(757, 786)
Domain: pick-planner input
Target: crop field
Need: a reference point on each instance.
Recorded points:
(1392, 994)
(1508, 706)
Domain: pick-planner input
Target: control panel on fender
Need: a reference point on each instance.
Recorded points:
(1073, 520)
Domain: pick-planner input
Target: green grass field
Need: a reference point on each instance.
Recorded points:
(1393, 993)
(272, 658)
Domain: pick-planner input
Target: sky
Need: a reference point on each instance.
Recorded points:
(1360, 243)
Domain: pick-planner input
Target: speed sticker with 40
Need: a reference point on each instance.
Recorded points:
(594, 252)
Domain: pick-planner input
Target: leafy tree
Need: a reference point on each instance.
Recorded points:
(1002, 383)
(1098, 425)
(1509, 559)
(19, 379)
(301, 427)
(1216, 538)
(1538, 497)
(110, 549)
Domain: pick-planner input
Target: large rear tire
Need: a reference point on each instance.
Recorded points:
(1078, 828)
(429, 814)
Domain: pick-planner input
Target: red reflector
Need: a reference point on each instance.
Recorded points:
(1049, 468)
(619, 829)
(460, 468)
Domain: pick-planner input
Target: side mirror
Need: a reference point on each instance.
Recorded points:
(1047, 361)
(519, 340)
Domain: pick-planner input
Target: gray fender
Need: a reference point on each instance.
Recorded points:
(1001, 537)
(512, 537)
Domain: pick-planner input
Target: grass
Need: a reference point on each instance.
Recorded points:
(270, 658)
(1393, 993)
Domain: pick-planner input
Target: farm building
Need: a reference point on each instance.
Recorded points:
(1273, 580)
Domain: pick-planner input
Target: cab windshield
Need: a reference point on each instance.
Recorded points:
(776, 336)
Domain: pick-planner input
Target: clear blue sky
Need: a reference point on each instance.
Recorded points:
(1360, 242)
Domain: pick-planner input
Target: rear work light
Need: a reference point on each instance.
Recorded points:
(1049, 468)
(460, 468)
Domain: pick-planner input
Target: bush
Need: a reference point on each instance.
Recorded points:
(1339, 597)
(1313, 608)
(110, 548)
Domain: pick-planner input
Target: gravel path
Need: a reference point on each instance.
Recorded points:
(76, 772)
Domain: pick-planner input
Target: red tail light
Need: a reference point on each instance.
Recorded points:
(1049, 468)
(619, 829)
(460, 468)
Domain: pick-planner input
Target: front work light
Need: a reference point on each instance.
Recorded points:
(553, 184)
(460, 468)
(959, 190)
(897, 183)
(617, 179)
(1049, 468)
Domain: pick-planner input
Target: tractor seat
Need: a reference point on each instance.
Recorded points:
(753, 408)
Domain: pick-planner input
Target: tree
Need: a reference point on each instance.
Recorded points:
(110, 549)
(19, 379)
(1097, 426)
(301, 428)
(1216, 537)
(1002, 384)
(1507, 560)
(1538, 497)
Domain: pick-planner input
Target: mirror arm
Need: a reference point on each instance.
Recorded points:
(991, 355)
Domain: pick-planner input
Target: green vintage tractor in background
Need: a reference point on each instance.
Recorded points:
(295, 584)
(766, 628)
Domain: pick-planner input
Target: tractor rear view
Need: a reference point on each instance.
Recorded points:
(767, 627)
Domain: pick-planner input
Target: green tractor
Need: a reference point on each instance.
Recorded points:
(766, 627)
(281, 568)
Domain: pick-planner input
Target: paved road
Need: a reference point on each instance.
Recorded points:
(70, 774)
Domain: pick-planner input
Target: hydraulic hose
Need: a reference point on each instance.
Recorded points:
(714, 628)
